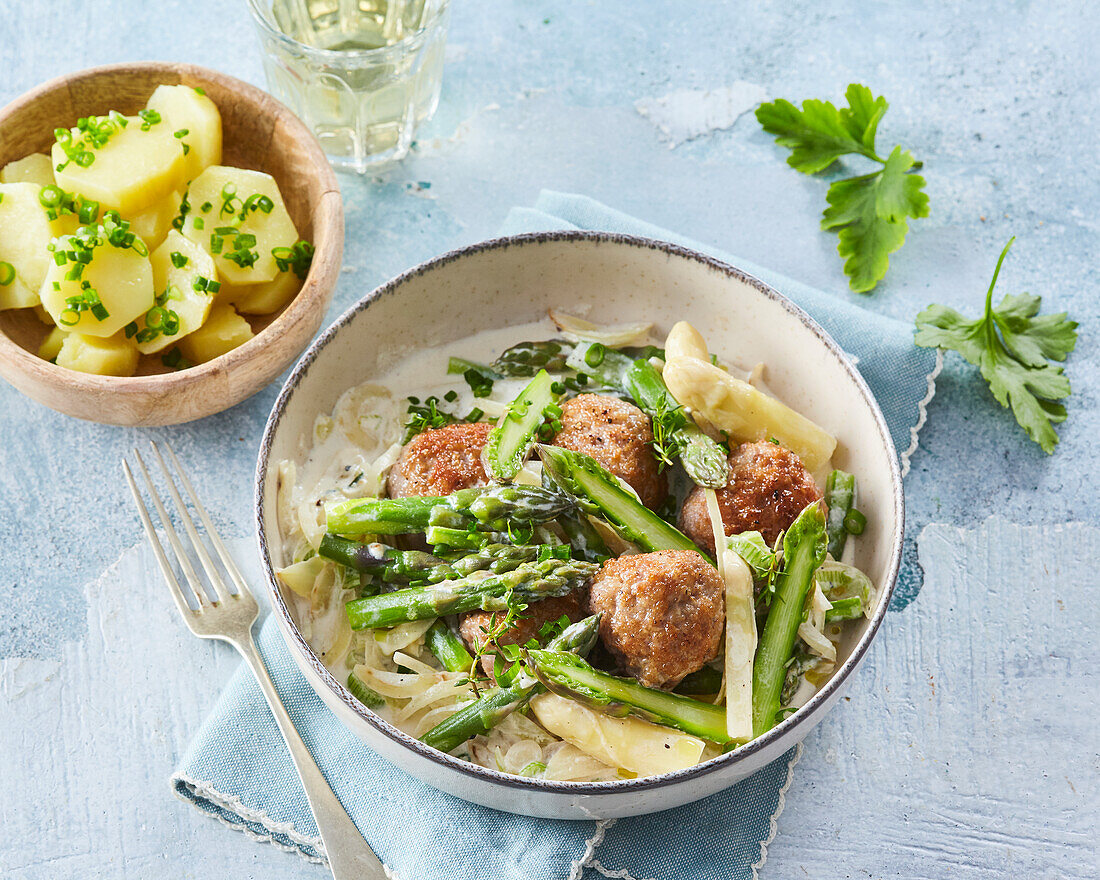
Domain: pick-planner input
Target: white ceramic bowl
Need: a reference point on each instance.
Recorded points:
(613, 279)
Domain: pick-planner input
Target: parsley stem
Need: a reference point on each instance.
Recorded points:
(991, 340)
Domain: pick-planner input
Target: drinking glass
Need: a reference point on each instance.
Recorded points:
(362, 74)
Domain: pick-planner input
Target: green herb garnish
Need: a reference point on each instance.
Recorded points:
(149, 118)
(424, 416)
(204, 285)
(175, 360)
(297, 258)
(178, 259)
(185, 209)
(1012, 345)
(869, 212)
(7, 273)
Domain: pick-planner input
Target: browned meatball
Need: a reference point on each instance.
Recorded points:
(618, 435)
(440, 461)
(476, 624)
(767, 489)
(662, 613)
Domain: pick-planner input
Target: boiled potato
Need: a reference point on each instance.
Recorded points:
(51, 345)
(132, 171)
(175, 287)
(121, 277)
(272, 230)
(184, 108)
(15, 294)
(105, 356)
(152, 224)
(223, 331)
(266, 298)
(35, 168)
(25, 232)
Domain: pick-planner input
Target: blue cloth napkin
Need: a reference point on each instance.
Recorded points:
(237, 768)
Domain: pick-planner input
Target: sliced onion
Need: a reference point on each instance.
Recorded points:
(401, 636)
(617, 336)
(817, 642)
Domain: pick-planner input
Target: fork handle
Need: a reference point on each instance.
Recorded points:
(349, 855)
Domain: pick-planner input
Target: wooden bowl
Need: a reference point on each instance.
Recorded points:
(258, 133)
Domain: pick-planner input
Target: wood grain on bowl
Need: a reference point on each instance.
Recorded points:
(260, 134)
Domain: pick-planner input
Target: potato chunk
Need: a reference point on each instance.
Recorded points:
(25, 232)
(217, 197)
(152, 224)
(51, 345)
(104, 356)
(15, 294)
(176, 292)
(132, 171)
(35, 168)
(184, 108)
(121, 277)
(266, 298)
(223, 331)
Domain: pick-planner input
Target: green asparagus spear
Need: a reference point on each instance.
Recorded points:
(404, 566)
(600, 493)
(527, 358)
(848, 608)
(529, 582)
(457, 539)
(364, 694)
(840, 495)
(511, 439)
(480, 716)
(804, 547)
(569, 676)
(391, 564)
(495, 508)
(675, 434)
(448, 648)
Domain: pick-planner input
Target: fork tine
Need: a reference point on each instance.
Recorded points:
(158, 550)
(215, 538)
(212, 572)
(170, 532)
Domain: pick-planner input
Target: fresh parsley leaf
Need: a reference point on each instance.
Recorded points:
(869, 212)
(1012, 345)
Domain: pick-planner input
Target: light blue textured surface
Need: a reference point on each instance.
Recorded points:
(236, 771)
(996, 99)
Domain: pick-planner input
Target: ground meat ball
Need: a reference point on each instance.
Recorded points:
(618, 435)
(440, 461)
(474, 624)
(662, 613)
(767, 489)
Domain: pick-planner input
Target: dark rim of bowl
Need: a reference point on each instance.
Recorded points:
(623, 786)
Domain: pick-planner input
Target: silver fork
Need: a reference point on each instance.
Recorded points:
(230, 618)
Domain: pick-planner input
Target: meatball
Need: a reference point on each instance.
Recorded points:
(662, 613)
(440, 461)
(618, 435)
(768, 488)
(474, 625)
